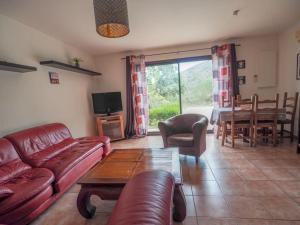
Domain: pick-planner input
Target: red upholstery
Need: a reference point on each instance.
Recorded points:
(20, 213)
(146, 199)
(58, 161)
(103, 139)
(5, 192)
(25, 182)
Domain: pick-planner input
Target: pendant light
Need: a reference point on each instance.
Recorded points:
(111, 18)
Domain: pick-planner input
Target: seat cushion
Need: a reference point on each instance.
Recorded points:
(181, 140)
(24, 211)
(25, 186)
(68, 159)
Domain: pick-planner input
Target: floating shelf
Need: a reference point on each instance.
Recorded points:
(16, 67)
(68, 67)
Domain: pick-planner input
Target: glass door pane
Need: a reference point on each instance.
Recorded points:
(196, 87)
(163, 92)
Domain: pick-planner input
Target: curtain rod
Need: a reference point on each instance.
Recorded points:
(182, 51)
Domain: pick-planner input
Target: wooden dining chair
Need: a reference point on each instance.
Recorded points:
(265, 119)
(242, 118)
(225, 102)
(242, 101)
(290, 105)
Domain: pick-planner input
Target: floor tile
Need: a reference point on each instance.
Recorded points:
(226, 175)
(189, 220)
(247, 207)
(251, 174)
(190, 206)
(212, 206)
(196, 175)
(233, 188)
(263, 188)
(206, 188)
(292, 188)
(278, 174)
(281, 208)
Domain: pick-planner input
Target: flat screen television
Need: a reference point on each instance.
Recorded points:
(107, 103)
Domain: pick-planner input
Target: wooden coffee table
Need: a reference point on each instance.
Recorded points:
(109, 176)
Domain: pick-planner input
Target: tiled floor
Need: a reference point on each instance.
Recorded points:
(242, 186)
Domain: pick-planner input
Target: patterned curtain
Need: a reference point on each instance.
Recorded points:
(137, 97)
(225, 77)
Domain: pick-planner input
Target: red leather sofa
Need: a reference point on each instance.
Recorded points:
(146, 199)
(38, 165)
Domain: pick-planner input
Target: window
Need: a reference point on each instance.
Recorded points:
(179, 86)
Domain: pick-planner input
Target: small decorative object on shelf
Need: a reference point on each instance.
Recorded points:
(77, 61)
(64, 66)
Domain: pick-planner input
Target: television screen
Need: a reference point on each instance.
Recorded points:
(109, 102)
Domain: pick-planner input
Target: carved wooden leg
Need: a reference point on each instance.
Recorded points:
(84, 205)
(179, 212)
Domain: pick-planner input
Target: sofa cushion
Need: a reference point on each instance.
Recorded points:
(38, 158)
(25, 186)
(25, 210)
(49, 138)
(66, 160)
(5, 192)
(10, 162)
(182, 140)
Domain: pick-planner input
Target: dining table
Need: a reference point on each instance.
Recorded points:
(221, 114)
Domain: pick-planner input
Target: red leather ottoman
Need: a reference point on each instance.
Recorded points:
(146, 199)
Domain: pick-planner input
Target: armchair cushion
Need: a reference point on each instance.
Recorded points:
(182, 140)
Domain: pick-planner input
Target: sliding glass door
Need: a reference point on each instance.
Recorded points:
(179, 86)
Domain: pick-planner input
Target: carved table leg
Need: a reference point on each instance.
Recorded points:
(179, 212)
(84, 205)
(105, 192)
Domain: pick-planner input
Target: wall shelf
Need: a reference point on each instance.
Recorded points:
(68, 67)
(12, 67)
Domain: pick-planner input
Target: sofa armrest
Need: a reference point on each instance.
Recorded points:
(146, 199)
(199, 134)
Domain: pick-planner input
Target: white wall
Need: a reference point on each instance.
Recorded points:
(29, 99)
(114, 69)
(288, 49)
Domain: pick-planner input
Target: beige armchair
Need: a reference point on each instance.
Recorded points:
(186, 131)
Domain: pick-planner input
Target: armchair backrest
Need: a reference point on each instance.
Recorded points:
(184, 123)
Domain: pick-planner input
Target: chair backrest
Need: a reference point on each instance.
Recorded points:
(242, 111)
(240, 101)
(266, 110)
(225, 102)
(290, 105)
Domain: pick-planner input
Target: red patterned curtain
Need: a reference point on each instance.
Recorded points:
(139, 95)
(225, 77)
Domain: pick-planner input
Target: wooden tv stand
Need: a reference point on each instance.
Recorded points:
(111, 126)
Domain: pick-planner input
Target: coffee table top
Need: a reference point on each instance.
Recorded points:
(122, 164)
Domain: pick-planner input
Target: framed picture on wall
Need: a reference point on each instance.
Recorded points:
(298, 67)
(241, 64)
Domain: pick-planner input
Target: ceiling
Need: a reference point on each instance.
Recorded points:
(155, 23)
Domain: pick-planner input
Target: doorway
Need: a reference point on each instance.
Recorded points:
(179, 86)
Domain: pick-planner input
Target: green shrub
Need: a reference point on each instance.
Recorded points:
(162, 113)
